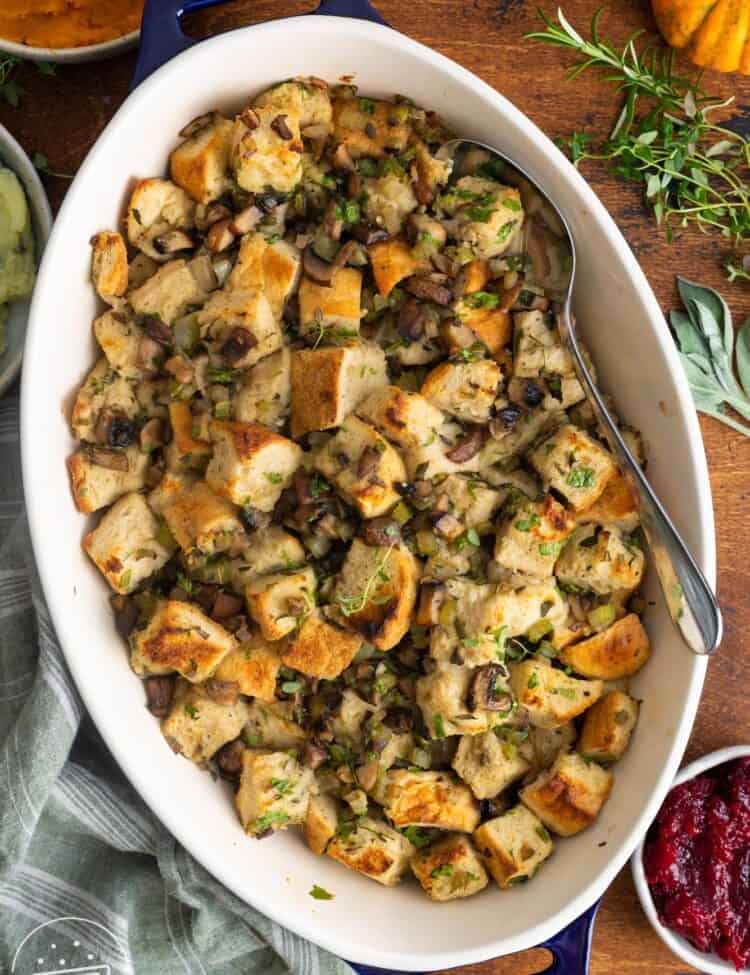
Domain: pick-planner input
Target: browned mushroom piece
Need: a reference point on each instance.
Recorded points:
(381, 531)
(368, 235)
(229, 757)
(526, 391)
(206, 216)
(430, 290)
(226, 604)
(410, 320)
(219, 236)
(333, 225)
(342, 159)
(246, 220)
(537, 243)
(468, 447)
(314, 755)
(126, 614)
(369, 462)
(181, 368)
(367, 774)
(222, 691)
(505, 421)
(488, 691)
(249, 117)
(399, 719)
(172, 242)
(328, 525)
(197, 125)
(281, 128)
(159, 693)
(113, 460)
(320, 271)
(236, 347)
(158, 330)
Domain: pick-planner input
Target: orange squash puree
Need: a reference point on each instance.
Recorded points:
(67, 23)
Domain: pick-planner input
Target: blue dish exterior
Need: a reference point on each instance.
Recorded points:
(161, 40)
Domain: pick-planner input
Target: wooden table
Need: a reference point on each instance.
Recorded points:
(62, 116)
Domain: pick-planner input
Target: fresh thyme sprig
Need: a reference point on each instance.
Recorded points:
(693, 171)
(349, 605)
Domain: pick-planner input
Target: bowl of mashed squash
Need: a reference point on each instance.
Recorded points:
(68, 30)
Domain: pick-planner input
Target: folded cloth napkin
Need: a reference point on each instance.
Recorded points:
(78, 847)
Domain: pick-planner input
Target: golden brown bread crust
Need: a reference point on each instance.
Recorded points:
(618, 651)
(315, 374)
(392, 261)
(321, 649)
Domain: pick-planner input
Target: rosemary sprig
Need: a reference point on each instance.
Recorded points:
(692, 171)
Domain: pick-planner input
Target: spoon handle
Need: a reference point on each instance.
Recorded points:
(690, 601)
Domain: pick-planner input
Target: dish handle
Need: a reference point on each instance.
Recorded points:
(162, 37)
(570, 948)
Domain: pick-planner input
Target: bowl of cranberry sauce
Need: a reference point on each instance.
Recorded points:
(692, 869)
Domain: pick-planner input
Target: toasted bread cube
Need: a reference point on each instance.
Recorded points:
(363, 467)
(392, 260)
(274, 791)
(272, 725)
(373, 849)
(437, 799)
(476, 276)
(102, 390)
(491, 326)
(124, 545)
(449, 869)
(265, 156)
(548, 743)
(185, 451)
(157, 207)
(406, 419)
(180, 637)
(197, 726)
(442, 696)
(488, 216)
(279, 602)
(466, 390)
(472, 501)
(270, 550)
(96, 487)
(265, 394)
(109, 265)
(614, 506)
(549, 695)
(169, 293)
(369, 132)
(331, 310)
(573, 463)
(488, 765)
(199, 164)
(430, 459)
(600, 560)
(389, 199)
(530, 537)
(619, 651)
(607, 728)
(251, 464)
(568, 797)
(329, 383)
(520, 435)
(537, 349)
(120, 339)
(199, 519)
(376, 592)
(321, 823)
(225, 311)
(346, 721)
(513, 846)
(253, 668)
(321, 649)
(478, 617)
(311, 103)
(272, 269)
(431, 172)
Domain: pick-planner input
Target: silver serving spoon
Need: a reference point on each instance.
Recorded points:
(550, 248)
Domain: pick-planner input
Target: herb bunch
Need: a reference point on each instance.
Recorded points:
(10, 90)
(693, 171)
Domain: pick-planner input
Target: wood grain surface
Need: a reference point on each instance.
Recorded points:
(62, 116)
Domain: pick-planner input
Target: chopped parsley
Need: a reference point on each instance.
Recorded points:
(479, 214)
(274, 477)
(320, 894)
(348, 211)
(191, 711)
(526, 524)
(581, 477)
(439, 724)
(482, 299)
(551, 548)
(445, 870)
(126, 579)
(511, 203)
(416, 836)
(267, 820)
(543, 834)
(282, 786)
(506, 230)
(533, 681)
(367, 105)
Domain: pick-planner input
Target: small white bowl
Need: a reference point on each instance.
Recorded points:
(72, 55)
(709, 963)
(13, 157)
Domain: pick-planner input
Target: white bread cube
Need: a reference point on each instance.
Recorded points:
(530, 537)
(254, 668)
(472, 500)
(600, 560)
(363, 467)
(346, 722)
(274, 791)
(321, 823)
(96, 487)
(569, 796)
(269, 550)
(548, 743)
(376, 591)
(573, 463)
(442, 697)
(607, 728)
(199, 519)
(488, 217)
(169, 293)
(614, 506)
(328, 383)
(279, 602)
(449, 869)
(261, 157)
(320, 648)
(199, 164)
(406, 419)
(490, 326)
(389, 199)
(309, 101)
(331, 311)
(537, 349)
(248, 310)
(619, 651)
(373, 849)
(156, 207)
(369, 131)
(513, 846)
(124, 545)
(436, 799)
(180, 637)
(120, 339)
(101, 390)
(392, 260)
(549, 695)
(488, 765)
(109, 265)
(272, 725)
(251, 464)
(466, 390)
(197, 726)
(265, 394)
(272, 269)
(186, 450)
(531, 425)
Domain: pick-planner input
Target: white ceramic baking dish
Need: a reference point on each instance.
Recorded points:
(391, 928)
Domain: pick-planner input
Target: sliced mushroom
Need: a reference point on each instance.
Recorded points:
(172, 242)
(399, 719)
(158, 330)
(159, 692)
(113, 460)
(211, 213)
(226, 604)
(526, 391)
(281, 128)
(431, 597)
(115, 429)
(381, 531)
(369, 462)
(249, 117)
(430, 290)
(505, 421)
(197, 125)
(219, 236)
(489, 691)
(229, 757)
(411, 320)
(468, 447)
(314, 755)
(126, 614)
(246, 220)
(368, 235)
(239, 343)
(367, 774)
(342, 159)
(320, 271)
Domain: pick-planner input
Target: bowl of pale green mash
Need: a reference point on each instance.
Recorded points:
(25, 222)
